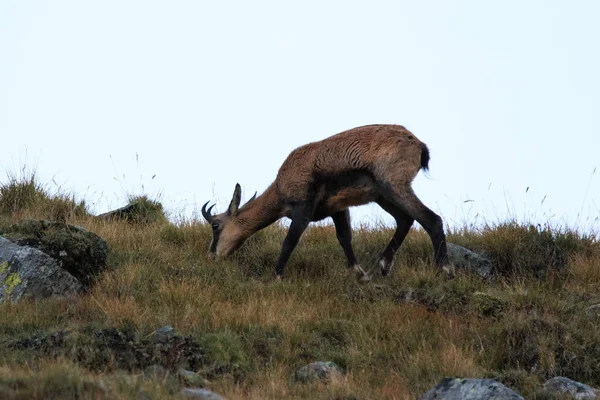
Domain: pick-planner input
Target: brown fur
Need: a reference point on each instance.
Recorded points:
(355, 167)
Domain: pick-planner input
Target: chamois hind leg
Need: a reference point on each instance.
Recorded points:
(300, 220)
(403, 225)
(408, 201)
(343, 232)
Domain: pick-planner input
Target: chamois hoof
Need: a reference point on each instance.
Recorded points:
(357, 269)
(360, 273)
(366, 277)
(386, 267)
(449, 271)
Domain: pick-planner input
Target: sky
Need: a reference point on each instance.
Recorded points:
(182, 99)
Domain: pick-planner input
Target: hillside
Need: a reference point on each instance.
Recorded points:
(394, 338)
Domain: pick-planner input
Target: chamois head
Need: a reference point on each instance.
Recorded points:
(228, 231)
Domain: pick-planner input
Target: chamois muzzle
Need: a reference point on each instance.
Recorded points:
(206, 213)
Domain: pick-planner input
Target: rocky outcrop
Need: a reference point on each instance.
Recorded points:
(111, 349)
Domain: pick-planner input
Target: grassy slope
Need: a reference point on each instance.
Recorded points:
(395, 338)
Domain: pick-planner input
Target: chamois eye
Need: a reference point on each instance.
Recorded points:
(215, 225)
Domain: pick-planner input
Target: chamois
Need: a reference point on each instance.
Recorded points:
(373, 163)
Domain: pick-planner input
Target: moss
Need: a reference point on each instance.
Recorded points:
(10, 282)
(488, 305)
(3, 267)
(140, 210)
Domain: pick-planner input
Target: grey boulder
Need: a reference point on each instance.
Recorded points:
(560, 386)
(471, 389)
(28, 272)
(41, 259)
(81, 253)
(467, 260)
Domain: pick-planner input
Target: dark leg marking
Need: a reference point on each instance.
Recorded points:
(407, 201)
(300, 220)
(343, 231)
(403, 225)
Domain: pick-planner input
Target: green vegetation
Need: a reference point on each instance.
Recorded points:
(394, 338)
(145, 210)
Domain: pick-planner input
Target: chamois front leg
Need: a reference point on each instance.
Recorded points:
(343, 232)
(300, 220)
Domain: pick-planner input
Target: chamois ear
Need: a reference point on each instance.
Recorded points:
(235, 201)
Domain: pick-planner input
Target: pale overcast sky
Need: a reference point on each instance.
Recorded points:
(506, 94)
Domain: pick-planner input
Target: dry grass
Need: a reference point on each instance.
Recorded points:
(390, 345)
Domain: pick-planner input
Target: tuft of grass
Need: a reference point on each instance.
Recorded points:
(532, 250)
(61, 379)
(145, 210)
(25, 197)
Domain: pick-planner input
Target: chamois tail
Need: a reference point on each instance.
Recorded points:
(424, 157)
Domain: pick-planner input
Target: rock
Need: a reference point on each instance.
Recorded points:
(471, 389)
(164, 333)
(191, 379)
(324, 371)
(560, 386)
(80, 252)
(123, 213)
(111, 349)
(28, 272)
(140, 210)
(202, 394)
(47, 344)
(465, 259)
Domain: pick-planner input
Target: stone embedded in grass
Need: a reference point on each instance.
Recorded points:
(320, 370)
(190, 378)
(560, 386)
(164, 333)
(471, 389)
(202, 394)
(467, 260)
(28, 272)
